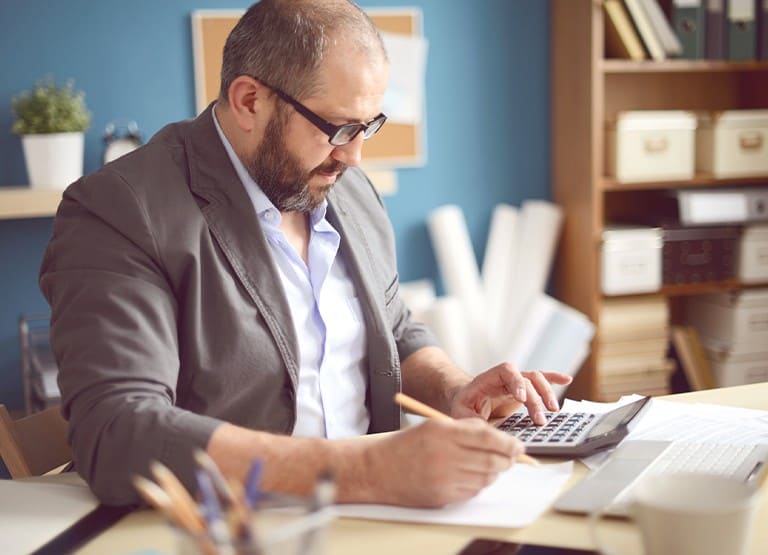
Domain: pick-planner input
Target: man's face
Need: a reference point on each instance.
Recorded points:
(281, 174)
(294, 164)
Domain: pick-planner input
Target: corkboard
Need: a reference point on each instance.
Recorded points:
(396, 145)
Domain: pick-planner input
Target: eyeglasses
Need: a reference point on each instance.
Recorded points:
(338, 135)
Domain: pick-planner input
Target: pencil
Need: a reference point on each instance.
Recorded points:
(418, 407)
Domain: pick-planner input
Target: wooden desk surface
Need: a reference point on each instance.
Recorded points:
(145, 530)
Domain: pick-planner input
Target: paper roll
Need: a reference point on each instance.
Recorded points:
(461, 277)
(498, 269)
(448, 322)
(540, 223)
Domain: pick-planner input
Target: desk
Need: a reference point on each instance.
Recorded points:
(145, 529)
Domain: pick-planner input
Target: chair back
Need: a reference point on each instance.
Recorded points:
(35, 444)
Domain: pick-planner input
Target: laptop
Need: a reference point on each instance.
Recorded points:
(609, 487)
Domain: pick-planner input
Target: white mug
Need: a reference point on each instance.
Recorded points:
(692, 514)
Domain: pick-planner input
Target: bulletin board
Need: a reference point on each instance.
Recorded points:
(395, 145)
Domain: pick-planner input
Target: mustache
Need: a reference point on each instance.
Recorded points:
(332, 167)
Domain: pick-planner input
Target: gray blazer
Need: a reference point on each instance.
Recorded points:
(168, 314)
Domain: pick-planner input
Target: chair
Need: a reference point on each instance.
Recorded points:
(35, 444)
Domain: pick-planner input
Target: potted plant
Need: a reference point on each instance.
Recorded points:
(51, 120)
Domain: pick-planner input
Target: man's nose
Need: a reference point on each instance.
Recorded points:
(350, 153)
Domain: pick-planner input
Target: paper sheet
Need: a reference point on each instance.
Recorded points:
(33, 511)
(516, 499)
(670, 421)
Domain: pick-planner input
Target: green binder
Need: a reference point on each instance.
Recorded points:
(742, 30)
(689, 20)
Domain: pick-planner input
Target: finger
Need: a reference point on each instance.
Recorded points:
(484, 463)
(503, 379)
(535, 406)
(476, 435)
(544, 389)
(557, 378)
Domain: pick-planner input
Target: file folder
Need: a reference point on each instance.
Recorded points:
(689, 19)
(742, 33)
(716, 30)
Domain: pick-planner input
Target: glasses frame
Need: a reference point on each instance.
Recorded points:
(333, 131)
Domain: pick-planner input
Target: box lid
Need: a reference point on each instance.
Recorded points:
(753, 298)
(736, 119)
(655, 120)
(756, 232)
(628, 237)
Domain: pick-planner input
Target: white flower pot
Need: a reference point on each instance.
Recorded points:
(53, 160)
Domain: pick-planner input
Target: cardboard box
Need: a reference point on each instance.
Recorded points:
(631, 260)
(651, 146)
(733, 143)
(734, 317)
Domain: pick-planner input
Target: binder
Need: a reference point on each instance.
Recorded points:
(762, 30)
(663, 29)
(642, 22)
(689, 19)
(716, 30)
(742, 32)
(621, 40)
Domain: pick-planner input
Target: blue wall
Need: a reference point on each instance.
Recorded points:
(487, 95)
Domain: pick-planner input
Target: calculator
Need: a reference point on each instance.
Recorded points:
(575, 434)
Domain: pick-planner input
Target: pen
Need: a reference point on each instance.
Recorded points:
(253, 483)
(217, 526)
(179, 496)
(418, 407)
(241, 511)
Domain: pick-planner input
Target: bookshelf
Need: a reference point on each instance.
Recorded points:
(587, 91)
(23, 202)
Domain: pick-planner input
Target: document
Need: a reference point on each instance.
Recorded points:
(35, 510)
(517, 498)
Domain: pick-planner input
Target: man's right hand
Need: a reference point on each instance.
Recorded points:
(438, 462)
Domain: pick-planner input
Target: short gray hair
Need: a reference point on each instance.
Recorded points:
(284, 42)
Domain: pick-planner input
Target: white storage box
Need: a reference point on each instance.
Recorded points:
(733, 143)
(651, 146)
(737, 364)
(736, 316)
(753, 254)
(631, 260)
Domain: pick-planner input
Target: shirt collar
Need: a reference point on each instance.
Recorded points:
(261, 203)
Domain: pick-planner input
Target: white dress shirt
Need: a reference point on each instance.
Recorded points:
(326, 315)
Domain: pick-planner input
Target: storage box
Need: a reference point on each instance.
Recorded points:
(717, 206)
(753, 254)
(651, 145)
(733, 143)
(737, 364)
(735, 317)
(699, 254)
(631, 260)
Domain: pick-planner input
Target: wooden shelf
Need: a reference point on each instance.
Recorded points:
(23, 202)
(699, 180)
(681, 66)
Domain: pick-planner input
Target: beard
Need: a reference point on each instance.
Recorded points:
(280, 175)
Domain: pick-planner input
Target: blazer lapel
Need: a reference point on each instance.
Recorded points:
(234, 225)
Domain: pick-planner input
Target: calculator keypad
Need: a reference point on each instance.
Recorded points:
(560, 428)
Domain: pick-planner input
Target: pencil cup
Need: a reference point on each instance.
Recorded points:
(277, 526)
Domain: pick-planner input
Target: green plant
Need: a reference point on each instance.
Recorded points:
(50, 108)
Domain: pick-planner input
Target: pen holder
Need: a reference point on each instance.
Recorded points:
(278, 525)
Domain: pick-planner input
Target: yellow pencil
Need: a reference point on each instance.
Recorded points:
(418, 407)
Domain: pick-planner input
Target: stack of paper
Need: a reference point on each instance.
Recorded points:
(633, 340)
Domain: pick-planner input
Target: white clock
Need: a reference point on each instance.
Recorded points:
(120, 137)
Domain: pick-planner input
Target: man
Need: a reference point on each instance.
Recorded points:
(232, 286)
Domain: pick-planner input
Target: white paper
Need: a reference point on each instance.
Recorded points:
(404, 97)
(33, 511)
(498, 268)
(461, 277)
(516, 499)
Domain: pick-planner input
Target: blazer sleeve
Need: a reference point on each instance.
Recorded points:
(114, 336)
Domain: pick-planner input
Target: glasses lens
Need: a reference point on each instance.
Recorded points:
(374, 126)
(346, 133)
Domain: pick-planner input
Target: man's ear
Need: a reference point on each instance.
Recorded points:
(248, 101)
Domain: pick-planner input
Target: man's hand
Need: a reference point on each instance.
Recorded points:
(438, 462)
(502, 390)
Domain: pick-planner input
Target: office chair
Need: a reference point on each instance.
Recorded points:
(35, 444)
